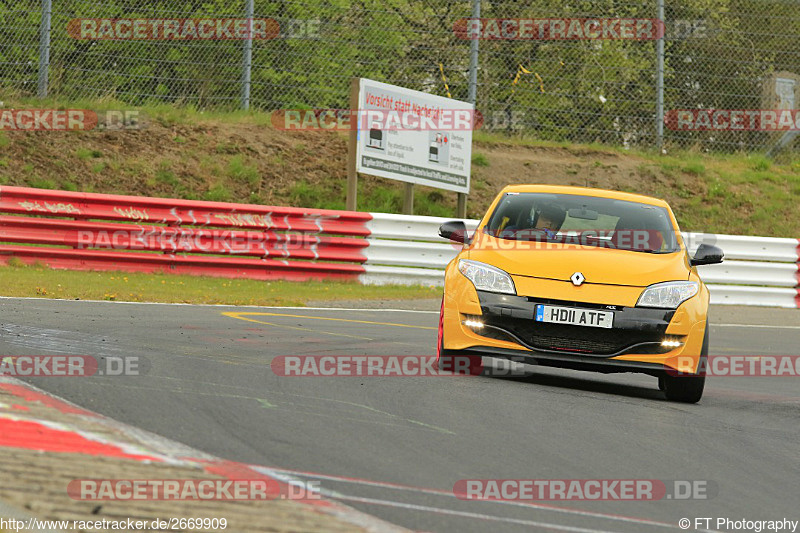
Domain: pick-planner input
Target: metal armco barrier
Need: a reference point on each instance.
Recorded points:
(85, 231)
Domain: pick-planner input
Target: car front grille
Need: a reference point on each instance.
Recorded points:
(569, 338)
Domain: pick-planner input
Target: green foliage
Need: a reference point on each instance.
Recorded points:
(241, 171)
(40, 183)
(761, 163)
(84, 154)
(166, 176)
(695, 168)
(480, 160)
(217, 193)
(575, 91)
(305, 194)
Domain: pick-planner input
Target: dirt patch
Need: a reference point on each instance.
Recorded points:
(561, 166)
(243, 159)
(246, 162)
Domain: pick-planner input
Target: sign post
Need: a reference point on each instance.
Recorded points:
(408, 199)
(352, 174)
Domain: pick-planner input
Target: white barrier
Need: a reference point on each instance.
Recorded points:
(760, 271)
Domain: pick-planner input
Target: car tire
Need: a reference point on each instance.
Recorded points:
(449, 360)
(687, 389)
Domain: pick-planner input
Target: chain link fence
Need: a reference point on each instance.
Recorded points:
(717, 55)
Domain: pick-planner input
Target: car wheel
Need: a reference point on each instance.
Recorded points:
(452, 360)
(687, 389)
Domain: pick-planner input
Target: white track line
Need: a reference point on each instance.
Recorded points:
(439, 510)
(288, 474)
(335, 495)
(752, 326)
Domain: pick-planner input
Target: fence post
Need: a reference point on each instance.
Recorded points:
(247, 55)
(660, 76)
(44, 48)
(473, 56)
(461, 209)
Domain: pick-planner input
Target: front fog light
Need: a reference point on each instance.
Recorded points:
(473, 324)
(671, 343)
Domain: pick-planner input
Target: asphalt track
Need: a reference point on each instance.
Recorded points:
(394, 447)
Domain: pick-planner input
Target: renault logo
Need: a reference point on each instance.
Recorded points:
(577, 278)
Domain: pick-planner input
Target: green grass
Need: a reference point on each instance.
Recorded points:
(40, 183)
(217, 193)
(166, 176)
(480, 160)
(695, 168)
(761, 163)
(239, 170)
(38, 281)
(321, 196)
(381, 198)
(165, 114)
(85, 154)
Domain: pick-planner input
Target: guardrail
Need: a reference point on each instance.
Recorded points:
(87, 231)
(760, 271)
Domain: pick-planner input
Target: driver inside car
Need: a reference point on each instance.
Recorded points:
(546, 219)
(549, 219)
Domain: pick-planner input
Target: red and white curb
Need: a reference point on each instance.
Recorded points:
(19, 429)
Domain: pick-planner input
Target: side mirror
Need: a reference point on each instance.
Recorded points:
(454, 230)
(706, 255)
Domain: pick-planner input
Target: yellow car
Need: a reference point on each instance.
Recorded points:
(578, 278)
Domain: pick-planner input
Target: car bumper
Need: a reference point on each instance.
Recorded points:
(632, 345)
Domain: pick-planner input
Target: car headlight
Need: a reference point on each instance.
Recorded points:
(486, 277)
(668, 295)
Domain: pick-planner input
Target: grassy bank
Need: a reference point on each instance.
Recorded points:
(37, 281)
(239, 156)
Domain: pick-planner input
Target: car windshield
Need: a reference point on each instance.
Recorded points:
(583, 220)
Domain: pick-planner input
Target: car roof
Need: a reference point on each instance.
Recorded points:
(585, 191)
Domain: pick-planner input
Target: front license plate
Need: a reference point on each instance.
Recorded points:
(574, 316)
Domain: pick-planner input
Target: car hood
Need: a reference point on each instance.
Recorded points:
(598, 265)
